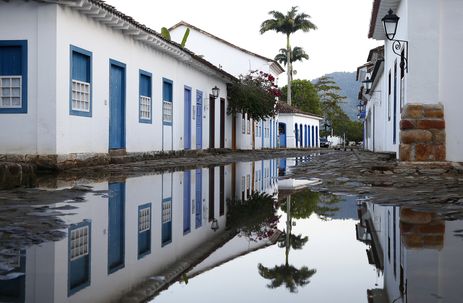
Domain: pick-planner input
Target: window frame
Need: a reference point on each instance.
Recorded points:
(141, 74)
(24, 69)
(141, 208)
(75, 49)
(164, 122)
(77, 288)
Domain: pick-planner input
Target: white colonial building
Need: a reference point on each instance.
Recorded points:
(414, 106)
(237, 61)
(297, 129)
(80, 79)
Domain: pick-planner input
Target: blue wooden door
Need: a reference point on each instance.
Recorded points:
(313, 137)
(186, 202)
(316, 136)
(271, 134)
(282, 134)
(117, 105)
(199, 120)
(198, 199)
(187, 118)
(116, 226)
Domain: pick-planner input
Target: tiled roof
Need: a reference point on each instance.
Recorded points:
(283, 107)
(186, 24)
(173, 46)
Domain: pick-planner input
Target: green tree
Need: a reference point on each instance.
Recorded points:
(288, 24)
(286, 274)
(297, 54)
(304, 96)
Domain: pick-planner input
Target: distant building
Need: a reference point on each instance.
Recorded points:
(414, 107)
(297, 129)
(248, 134)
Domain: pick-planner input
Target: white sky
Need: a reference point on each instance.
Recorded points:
(339, 44)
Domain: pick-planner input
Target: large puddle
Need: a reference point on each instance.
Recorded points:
(236, 233)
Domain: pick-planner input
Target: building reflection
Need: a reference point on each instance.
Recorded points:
(417, 252)
(141, 227)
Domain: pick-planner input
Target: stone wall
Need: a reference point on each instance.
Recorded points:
(422, 133)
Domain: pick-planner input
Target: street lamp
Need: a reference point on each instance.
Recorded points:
(215, 224)
(215, 92)
(390, 23)
(367, 84)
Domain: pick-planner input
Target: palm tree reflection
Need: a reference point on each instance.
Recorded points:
(286, 274)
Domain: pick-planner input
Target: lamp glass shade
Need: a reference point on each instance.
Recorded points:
(215, 91)
(390, 22)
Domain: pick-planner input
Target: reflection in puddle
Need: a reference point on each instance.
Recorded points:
(233, 232)
(417, 251)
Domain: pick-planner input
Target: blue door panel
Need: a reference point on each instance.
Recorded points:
(187, 119)
(198, 199)
(316, 136)
(116, 226)
(199, 120)
(117, 107)
(313, 136)
(186, 202)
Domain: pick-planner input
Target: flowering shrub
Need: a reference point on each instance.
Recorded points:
(255, 218)
(254, 94)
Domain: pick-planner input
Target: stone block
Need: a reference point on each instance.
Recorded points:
(415, 136)
(431, 123)
(434, 112)
(405, 152)
(413, 111)
(410, 216)
(439, 152)
(438, 136)
(433, 228)
(407, 124)
(424, 152)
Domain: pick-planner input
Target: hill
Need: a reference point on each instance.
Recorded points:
(349, 88)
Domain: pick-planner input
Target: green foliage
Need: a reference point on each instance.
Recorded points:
(185, 37)
(165, 33)
(306, 202)
(287, 275)
(304, 96)
(297, 54)
(287, 24)
(330, 98)
(255, 218)
(254, 94)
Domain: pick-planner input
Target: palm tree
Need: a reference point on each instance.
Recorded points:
(297, 54)
(287, 24)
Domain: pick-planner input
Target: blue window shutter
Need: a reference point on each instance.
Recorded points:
(167, 90)
(80, 67)
(145, 85)
(10, 60)
(13, 62)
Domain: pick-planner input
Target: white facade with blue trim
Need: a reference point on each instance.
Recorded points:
(237, 61)
(80, 78)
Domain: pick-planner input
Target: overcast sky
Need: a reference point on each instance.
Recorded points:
(339, 44)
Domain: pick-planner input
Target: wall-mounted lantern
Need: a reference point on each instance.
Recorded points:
(367, 84)
(215, 224)
(390, 23)
(215, 92)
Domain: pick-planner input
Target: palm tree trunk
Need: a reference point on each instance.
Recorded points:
(289, 69)
(288, 228)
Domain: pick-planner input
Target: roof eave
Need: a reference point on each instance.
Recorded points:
(380, 9)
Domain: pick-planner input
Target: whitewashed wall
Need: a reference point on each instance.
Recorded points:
(434, 65)
(106, 44)
(34, 131)
(220, 53)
